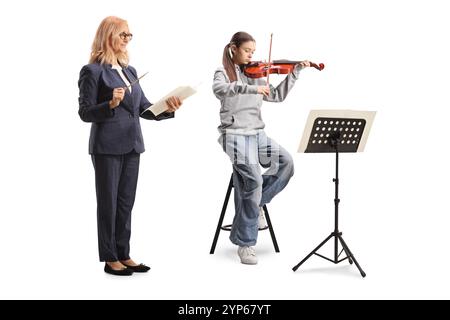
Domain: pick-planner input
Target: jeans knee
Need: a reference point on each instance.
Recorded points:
(288, 165)
(253, 183)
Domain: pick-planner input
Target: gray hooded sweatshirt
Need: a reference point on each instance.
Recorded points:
(240, 111)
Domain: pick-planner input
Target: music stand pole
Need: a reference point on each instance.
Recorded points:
(334, 142)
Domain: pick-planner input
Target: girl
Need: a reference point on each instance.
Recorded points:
(112, 100)
(245, 142)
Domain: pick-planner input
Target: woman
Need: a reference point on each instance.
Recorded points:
(112, 100)
(244, 140)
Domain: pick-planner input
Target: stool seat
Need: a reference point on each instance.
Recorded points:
(228, 227)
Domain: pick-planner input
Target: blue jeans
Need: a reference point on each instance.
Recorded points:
(251, 188)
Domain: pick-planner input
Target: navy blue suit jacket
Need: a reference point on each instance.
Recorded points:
(113, 131)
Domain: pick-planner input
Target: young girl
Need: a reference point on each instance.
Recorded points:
(245, 142)
(112, 100)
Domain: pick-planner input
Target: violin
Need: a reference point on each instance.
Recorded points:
(260, 69)
(264, 69)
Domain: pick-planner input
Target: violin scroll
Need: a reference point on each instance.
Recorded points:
(319, 66)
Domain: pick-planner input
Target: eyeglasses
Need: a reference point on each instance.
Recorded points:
(125, 35)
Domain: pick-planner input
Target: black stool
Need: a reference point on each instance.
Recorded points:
(228, 226)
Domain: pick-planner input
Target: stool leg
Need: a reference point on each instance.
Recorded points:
(272, 233)
(222, 215)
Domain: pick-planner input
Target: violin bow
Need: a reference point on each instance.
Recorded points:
(270, 58)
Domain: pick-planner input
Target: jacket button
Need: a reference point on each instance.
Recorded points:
(130, 115)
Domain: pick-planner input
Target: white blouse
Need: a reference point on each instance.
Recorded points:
(122, 75)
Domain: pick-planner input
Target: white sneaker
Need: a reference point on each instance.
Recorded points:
(261, 219)
(247, 255)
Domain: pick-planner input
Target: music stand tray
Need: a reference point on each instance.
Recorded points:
(335, 131)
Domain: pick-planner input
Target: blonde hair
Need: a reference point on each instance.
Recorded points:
(106, 37)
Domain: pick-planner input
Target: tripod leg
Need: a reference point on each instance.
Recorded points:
(272, 233)
(312, 252)
(346, 248)
(222, 215)
(346, 252)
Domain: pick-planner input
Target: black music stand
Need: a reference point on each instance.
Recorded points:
(327, 132)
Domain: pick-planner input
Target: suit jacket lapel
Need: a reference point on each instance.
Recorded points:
(127, 102)
(131, 78)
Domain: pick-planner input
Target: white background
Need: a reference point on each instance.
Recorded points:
(387, 56)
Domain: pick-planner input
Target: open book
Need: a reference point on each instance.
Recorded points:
(181, 92)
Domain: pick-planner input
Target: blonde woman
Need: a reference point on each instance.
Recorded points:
(112, 100)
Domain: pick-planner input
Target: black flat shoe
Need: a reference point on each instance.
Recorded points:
(123, 272)
(139, 268)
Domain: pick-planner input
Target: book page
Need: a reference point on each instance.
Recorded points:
(181, 92)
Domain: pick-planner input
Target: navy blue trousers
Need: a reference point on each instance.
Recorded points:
(115, 182)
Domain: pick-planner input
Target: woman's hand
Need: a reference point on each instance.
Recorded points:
(304, 64)
(118, 95)
(265, 90)
(173, 104)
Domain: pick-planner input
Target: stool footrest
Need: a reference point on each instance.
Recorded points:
(228, 227)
